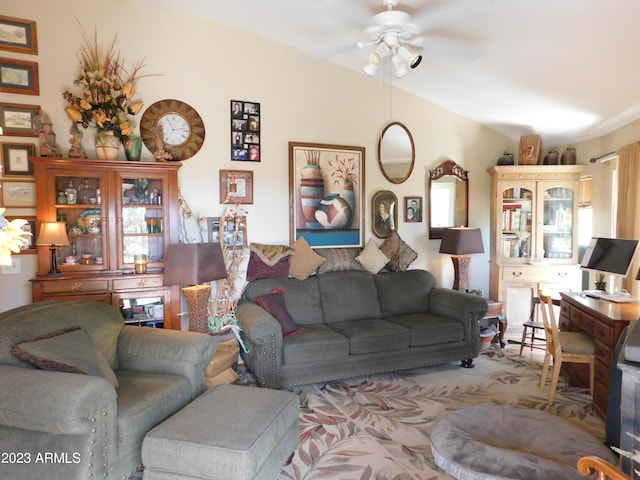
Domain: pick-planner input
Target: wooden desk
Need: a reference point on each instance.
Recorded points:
(604, 321)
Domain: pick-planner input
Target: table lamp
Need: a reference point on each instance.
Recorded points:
(460, 242)
(192, 264)
(54, 234)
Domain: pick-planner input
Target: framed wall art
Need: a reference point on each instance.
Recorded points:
(19, 76)
(384, 213)
(236, 186)
(17, 119)
(245, 131)
(30, 227)
(15, 158)
(18, 193)
(229, 233)
(326, 185)
(18, 35)
(412, 209)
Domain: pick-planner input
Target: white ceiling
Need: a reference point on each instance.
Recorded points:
(564, 69)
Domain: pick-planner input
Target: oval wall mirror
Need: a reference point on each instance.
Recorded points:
(396, 152)
(448, 198)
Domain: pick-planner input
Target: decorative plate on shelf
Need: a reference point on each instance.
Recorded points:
(87, 219)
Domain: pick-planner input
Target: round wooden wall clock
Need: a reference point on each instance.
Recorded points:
(172, 130)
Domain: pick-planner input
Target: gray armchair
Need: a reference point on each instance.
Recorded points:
(60, 425)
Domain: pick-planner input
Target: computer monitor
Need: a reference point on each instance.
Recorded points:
(612, 256)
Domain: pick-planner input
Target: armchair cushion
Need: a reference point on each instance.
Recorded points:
(69, 350)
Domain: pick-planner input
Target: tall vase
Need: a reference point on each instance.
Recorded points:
(311, 194)
(349, 196)
(107, 145)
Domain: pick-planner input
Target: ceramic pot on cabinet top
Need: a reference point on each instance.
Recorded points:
(568, 156)
(506, 159)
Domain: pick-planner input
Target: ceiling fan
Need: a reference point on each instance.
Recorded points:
(393, 34)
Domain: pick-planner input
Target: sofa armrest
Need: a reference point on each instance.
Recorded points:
(263, 338)
(54, 402)
(153, 350)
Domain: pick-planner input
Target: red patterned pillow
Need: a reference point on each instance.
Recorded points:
(273, 302)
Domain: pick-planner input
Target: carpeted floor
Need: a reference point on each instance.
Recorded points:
(377, 427)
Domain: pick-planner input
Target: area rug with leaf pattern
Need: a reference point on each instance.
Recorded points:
(377, 427)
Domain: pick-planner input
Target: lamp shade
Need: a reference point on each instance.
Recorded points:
(53, 233)
(193, 263)
(461, 241)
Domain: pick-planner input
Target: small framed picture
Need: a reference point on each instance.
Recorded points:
(18, 193)
(384, 210)
(19, 76)
(17, 119)
(18, 35)
(236, 186)
(15, 158)
(30, 227)
(412, 209)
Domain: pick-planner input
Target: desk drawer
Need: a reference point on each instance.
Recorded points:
(583, 321)
(601, 372)
(603, 353)
(74, 286)
(600, 397)
(137, 282)
(603, 332)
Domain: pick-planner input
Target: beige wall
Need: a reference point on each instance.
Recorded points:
(302, 99)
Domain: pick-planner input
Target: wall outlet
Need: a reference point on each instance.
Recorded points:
(13, 269)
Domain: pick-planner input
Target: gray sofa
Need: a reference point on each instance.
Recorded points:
(358, 323)
(62, 426)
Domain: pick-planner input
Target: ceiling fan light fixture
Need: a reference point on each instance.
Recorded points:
(410, 55)
(400, 66)
(370, 69)
(378, 53)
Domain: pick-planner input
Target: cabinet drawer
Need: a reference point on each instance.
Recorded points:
(549, 274)
(603, 353)
(137, 282)
(603, 332)
(72, 286)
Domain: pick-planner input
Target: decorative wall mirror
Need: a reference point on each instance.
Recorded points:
(448, 198)
(396, 152)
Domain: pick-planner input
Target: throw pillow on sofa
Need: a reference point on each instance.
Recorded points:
(305, 261)
(268, 261)
(273, 302)
(69, 350)
(339, 259)
(400, 254)
(372, 258)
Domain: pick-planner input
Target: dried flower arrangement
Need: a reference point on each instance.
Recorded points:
(108, 89)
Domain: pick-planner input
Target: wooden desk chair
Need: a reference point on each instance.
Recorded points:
(590, 465)
(574, 347)
(532, 330)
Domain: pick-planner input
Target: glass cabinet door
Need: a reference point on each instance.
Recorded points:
(142, 220)
(79, 205)
(516, 222)
(557, 209)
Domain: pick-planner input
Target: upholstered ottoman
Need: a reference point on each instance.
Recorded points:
(229, 432)
(488, 442)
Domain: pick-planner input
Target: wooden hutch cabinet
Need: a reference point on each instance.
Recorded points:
(114, 211)
(534, 244)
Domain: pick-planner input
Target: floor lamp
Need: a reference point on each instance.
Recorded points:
(460, 242)
(192, 264)
(53, 234)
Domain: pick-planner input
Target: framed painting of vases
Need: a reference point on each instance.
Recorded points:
(326, 185)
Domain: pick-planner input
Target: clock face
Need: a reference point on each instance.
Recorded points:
(174, 126)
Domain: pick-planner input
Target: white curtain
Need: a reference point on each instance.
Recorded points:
(628, 206)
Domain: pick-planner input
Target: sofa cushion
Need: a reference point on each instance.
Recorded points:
(348, 296)
(373, 335)
(339, 259)
(316, 344)
(305, 261)
(146, 399)
(273, 302)
(69, 350)
(302, 298)
(401, 293)
(372, 258)
(103, 323)
(429, 329)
